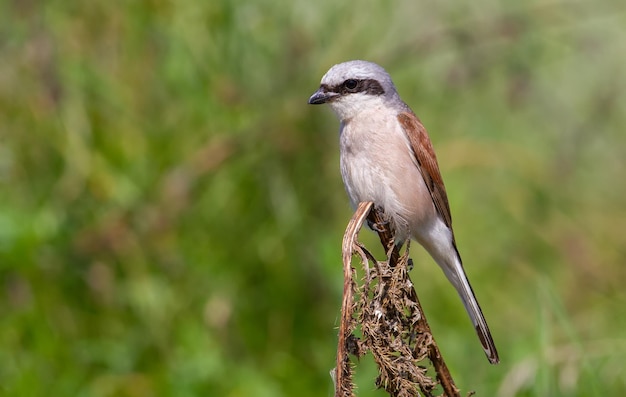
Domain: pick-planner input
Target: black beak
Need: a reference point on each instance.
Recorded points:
(321, 96)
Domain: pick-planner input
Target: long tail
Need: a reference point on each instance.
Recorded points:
(453, 269)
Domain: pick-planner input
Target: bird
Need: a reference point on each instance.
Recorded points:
(386, 157)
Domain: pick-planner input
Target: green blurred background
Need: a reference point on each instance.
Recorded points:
(171, 209)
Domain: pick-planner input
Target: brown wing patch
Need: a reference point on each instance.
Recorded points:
(427, 162)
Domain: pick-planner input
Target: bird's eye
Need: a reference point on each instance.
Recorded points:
(350, 84)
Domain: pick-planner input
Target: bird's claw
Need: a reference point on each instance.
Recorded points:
(378, 226)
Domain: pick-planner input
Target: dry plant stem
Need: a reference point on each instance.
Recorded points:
(343, 370)
(391, 319)
(434, 355)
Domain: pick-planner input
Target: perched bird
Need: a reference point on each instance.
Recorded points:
(386, 157)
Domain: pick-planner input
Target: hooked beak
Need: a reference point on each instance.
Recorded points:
(321, 96)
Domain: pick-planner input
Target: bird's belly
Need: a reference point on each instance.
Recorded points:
(394, 184)
(366, 180)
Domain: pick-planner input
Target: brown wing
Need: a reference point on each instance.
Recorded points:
(427, 163)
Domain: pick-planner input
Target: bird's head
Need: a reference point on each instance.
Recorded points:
(354, 86)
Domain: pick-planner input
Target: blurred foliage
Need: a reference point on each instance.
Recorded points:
(171, 210)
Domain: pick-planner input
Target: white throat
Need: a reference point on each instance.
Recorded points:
(350, 106)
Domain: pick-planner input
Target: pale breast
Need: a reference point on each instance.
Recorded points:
(377, 164)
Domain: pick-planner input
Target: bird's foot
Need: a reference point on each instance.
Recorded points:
(378, 226)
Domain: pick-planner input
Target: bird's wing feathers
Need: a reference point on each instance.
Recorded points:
(427, 163)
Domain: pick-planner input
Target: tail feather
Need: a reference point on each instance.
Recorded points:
(480, 324)
(456, 275)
